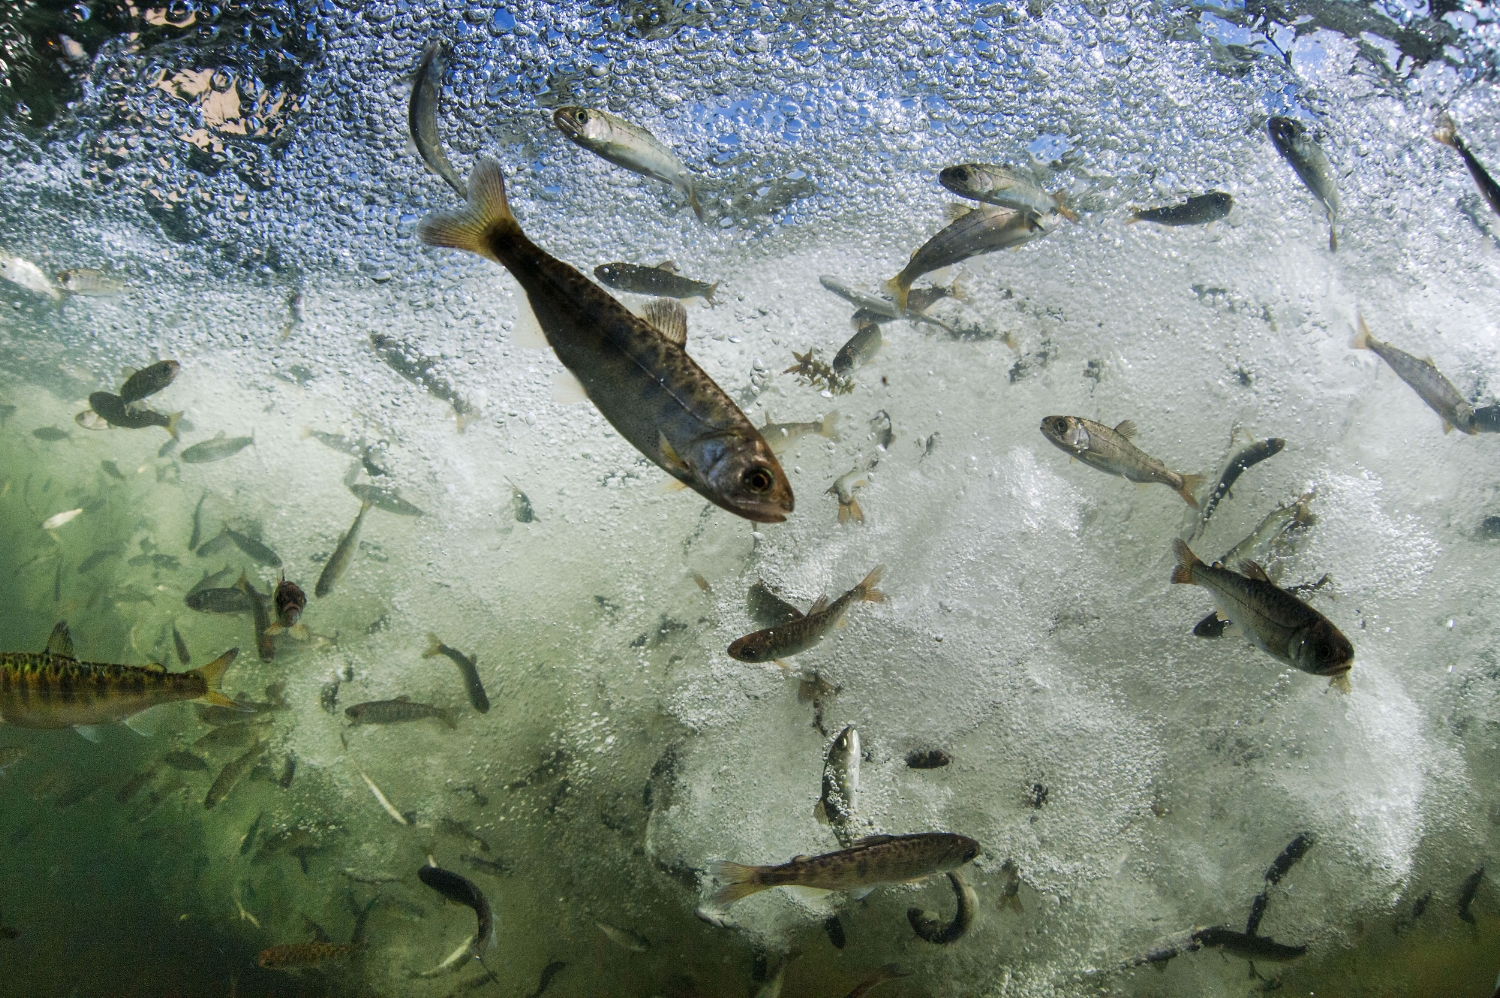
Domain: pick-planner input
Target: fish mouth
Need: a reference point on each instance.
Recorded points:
(763, 512)
(566, 119)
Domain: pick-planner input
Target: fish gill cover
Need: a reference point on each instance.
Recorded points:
(245, 169)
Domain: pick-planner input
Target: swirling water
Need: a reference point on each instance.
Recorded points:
(245, 168)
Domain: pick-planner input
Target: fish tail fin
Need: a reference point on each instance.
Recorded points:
(172, 422)
(1333, 238)
(899, 286)
(1186, 562)
(709, 297)
(738, 881)
(1190, 485)
(449, 717)
(1361, 338)
(1061, 197)
(306, 432)
(958, 290)
(1135, 216)
(867, 591)
(826, 428)
(213, 677)
(434, 646)
(469, 228)
(692, 193)
(1013, 902)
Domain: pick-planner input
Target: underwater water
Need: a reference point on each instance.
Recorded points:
(238, 184)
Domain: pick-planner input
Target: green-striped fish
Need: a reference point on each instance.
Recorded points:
(635, 371)
(52, 689)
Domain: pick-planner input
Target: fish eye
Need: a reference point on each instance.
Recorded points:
(758, 479)
(583, 117)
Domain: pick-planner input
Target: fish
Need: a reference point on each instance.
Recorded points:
(548, 972)
(927, 759)
(342, 444)
(879, 308)
(624, 938)
(90, 282)
(113, 410)
(185, 761)
(495, 868)
(382, 800)
(167, 447)
(342, 555)
(254, 549)
(23, 273)
(294, 956)
(1447, 134)
(1010, 887)
(247, 841)
(1295, 850)
(53, 689)
(780, 435)
(96, 559)
(878, 859)
(1467, 892)
(234, 734)
(148, 380)
(1110, 450)
(840, 797)
(769, 609)
(1005, 187)
(133, 786)
(10, 755)
(788, 639)
(833, 928)
(461, 890)
(384, 497)
(422, 372)
(520, 504)
(398, 711)
(859, 350)
(639, 376)
(1273, 534)
(1200, 209)
(58, 519)
(265, 647)
(927, 925)
(217, 449)
(232, 600)
(112, 470)
(1275, 621)
(458, 830)
(982, 230)
(1425, 379)
(1216, 936)
(215, 544)
(50, 434)
(775, 979)
(421, 112)
(231, 774)
(289, 601)
(464, 952)
(843, 489)
(1311, 164)
(627, 145)
(917, 303)
(467, 667)
(1238, 465)
(195, 538)
(660, 281)
(889, 972)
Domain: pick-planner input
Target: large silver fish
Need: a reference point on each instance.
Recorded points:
(1110, 450)
(1425, 379)
(1312, 166)
(639, 375)
(983, 230)
(995, 184)
(627, 145)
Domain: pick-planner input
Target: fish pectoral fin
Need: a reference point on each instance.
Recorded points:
(567, 389)
(861, 893)
(60, 642)
(1447, 427)
(807, 892)
(144, 723)
(668, 317)
(820, 812)
(670, 459)
(527, 331)
(1252, 570)
(1126, 428)
(1341, 683)
(92, 732)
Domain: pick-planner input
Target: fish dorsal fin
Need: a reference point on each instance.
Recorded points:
(870, 840)
(402, 698)
(1126, 428)
(567, 389)
(670, 266)
(669, 456)
(60, 643)
(668, 317)
(1252, 570)
(315, 930)
(819, 605)
(154, 667)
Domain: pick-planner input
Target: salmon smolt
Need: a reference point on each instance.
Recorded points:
(52, 689)
(638, 375)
